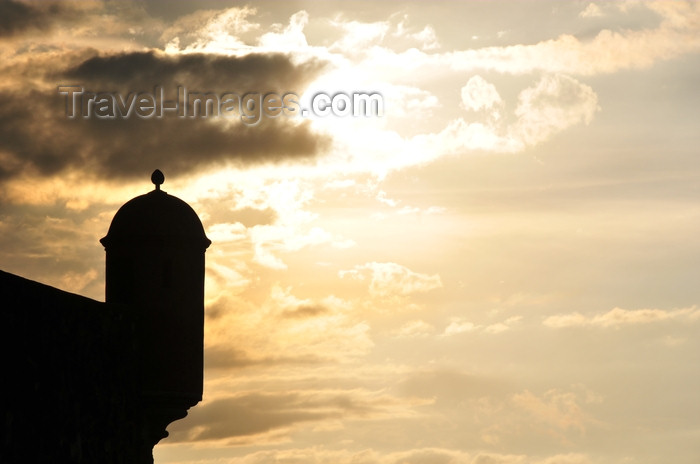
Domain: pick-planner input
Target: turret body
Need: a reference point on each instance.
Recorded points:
(155, 263)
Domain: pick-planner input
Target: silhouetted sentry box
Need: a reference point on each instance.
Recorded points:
(155, 263)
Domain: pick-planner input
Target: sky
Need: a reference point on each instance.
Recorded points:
(499, 268)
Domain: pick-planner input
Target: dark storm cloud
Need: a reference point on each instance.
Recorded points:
(140, 71)
(36, 135)
(16, 17)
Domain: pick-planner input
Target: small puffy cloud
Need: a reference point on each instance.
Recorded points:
(291, 38)
(215, 30)
(558, 411)
(618, 317)
(478, 94)
(388, 279)
(460, 136)
(408, 101)
(566, 320)
(556, 415)
(358, 34)
(458, 326)
(591, 11)
(497, 328)
(555, 103)
(77, 281)
(416, 328)
(426, 37)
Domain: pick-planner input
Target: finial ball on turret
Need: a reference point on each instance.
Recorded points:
(157, 178)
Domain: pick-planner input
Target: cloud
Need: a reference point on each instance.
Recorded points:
(407, 101)
(274, 211)
(416, 328)
(555, 410)
(424, 455)
(460, 325)
(221, 212)
(427, 37)
(55, 245)
(76, 282)
(220, 31)
(389, 279)
(291, 38)
(495, 458)
(251, 417)
(608, 52)
(557, 416)
(496, 411)
(36, 136)
(478, 94)
(569, 458)
(555, 103)
(449, 388)
(358, 34)
(283, 329)
(253, 414)
(497, 328)
(224, 356)
(305, 311)
(591, 11)
(618, 317)
(140, 71)
(17, 17)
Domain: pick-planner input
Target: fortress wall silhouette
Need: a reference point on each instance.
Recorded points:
(97, 383)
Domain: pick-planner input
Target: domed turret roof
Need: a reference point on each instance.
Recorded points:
(156, 216)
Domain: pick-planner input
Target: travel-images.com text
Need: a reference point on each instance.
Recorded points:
(250, 107)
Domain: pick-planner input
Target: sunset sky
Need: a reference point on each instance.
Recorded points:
(502, 268)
